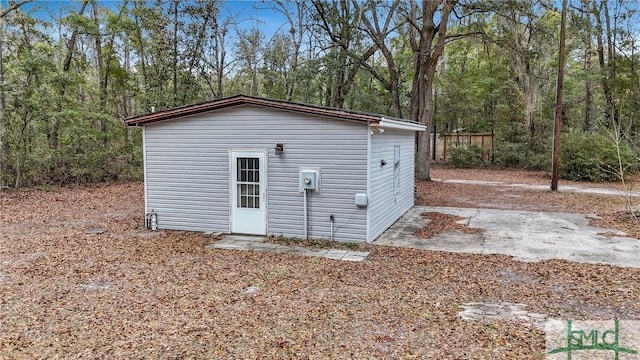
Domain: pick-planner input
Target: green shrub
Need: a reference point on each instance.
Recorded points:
(466, 157)
(518, 155)
(593, 157)
(515, 147)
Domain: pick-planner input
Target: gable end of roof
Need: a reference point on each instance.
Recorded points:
(235, 100)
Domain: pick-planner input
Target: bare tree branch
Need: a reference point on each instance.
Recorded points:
(13, 7)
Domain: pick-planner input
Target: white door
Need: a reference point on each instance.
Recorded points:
(248, 192)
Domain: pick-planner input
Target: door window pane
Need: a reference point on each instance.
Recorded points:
(248, 182)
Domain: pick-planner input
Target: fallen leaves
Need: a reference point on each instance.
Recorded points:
(133, 293)
(442, 222)
(620, 220)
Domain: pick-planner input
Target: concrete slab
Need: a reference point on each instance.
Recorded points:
(245, 238)
(337, 254)
(301, 251)
(354, 256)
(230, 245)
(334, 256)
(525, 235)
(256, 243)
(490, 312)
(262, 246)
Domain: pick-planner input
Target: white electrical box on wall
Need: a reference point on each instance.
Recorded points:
(361, 200)
(310, 179)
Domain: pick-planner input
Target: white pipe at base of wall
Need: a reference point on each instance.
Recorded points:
(306, 236)
(331, 237)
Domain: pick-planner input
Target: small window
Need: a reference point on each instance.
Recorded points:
(396, 170)
(396, 155)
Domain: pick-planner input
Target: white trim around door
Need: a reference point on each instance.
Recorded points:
(248, 191)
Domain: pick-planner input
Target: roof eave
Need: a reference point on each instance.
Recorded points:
(400, 125)
(240, 100)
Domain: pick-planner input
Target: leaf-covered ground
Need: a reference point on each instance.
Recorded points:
(132, 293)
(439, 222)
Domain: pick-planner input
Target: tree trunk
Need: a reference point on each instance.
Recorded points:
(588, 52)
(143, 59)
(3, 103)
(127, 105)
(196, 54)
(588, 91)
(221, 58)
(175, 52)
(66, 65)
(340, 20)
(4, 147)
(558, 111)
(606, 81)
(220, 71)
(530, 89)
(379, 36)
(522, 63)
(426, 55)
(101, 79)
(296, 35)
(611, 66)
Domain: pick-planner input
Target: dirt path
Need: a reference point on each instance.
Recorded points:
(610, 191)
(517, 176)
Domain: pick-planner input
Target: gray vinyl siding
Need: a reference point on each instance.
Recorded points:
(187, 170)
(385, 207)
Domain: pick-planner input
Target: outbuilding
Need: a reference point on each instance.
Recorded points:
(251, 165)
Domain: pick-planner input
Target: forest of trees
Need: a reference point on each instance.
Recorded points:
(70, 72)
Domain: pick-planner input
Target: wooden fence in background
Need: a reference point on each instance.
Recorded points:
(448, 141)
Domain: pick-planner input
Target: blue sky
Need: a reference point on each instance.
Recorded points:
(252, 13)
